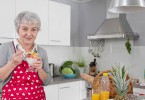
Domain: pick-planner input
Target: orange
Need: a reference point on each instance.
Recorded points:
(34, 54)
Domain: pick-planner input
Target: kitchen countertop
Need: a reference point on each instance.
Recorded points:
(138, 86)
(60, 79)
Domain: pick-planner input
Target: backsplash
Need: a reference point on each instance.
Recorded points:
(59, 54)
(114, 53)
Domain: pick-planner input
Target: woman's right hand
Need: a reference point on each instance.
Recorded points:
(17, 57)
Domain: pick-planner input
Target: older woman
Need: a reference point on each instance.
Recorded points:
(16, 83)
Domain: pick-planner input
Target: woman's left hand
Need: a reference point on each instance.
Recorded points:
(37, 65)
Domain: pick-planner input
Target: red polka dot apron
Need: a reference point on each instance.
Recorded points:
(23, 85)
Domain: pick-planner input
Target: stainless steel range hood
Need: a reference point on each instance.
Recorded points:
(112, 28)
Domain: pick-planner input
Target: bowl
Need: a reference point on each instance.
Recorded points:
(69, 75)
(31, 60)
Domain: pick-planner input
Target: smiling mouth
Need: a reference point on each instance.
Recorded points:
(28, 38)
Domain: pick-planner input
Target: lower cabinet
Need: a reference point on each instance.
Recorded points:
(66, 91)
(51, 92)
(69, 91)
(83, 90)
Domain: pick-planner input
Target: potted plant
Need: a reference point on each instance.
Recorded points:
(120, 81)
(81, 64)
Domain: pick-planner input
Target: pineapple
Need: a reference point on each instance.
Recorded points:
(121, 84)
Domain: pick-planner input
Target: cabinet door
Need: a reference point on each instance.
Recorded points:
(7, 15)
(83, 90)
(41, 8)
(59, 24)
(51, 92)
(69, 91)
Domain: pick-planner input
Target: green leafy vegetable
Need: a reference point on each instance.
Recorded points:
(67, 64)
(67, 71)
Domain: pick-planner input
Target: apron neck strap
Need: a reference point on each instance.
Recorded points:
(14, 46)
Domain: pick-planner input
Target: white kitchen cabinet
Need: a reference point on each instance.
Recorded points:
(55, 20)
(7, 10)
(59, 24)
(41, 8)
(69, 91)
(83, 90)
(51, 92)
(66, 91)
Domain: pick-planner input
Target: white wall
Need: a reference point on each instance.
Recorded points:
(115, 53)
(59, 54)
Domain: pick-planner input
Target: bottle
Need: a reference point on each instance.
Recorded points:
(105, 83)
(96, 91)
(92, 70)
(96, 94)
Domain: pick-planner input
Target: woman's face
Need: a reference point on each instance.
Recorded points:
(28, 32)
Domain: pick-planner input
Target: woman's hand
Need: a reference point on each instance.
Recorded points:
(38, 64)
(17, 57)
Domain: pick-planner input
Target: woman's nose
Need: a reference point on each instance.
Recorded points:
(28, 33)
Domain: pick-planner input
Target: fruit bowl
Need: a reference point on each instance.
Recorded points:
(69, 75)
(31, 57)
(31, 60)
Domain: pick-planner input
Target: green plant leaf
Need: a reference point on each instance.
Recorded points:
(128, 46)
(80, 63)
(123, 71)
(120, 82)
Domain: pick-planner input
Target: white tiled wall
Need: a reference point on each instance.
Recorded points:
(59, 54)
(114, 53)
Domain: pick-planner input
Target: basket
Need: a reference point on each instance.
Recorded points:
(95, 81)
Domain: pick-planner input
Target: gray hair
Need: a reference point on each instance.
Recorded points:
(27, 16)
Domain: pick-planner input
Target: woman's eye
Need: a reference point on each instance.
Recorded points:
(25, 29)
(34, 30)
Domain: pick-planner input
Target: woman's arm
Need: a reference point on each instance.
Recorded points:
(42, 74)
(38, 68)
(42, 67)
(6, 70)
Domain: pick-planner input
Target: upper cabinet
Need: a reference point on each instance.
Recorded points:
(41, 8)
(59, 23)
(7, 10)
(54, 16)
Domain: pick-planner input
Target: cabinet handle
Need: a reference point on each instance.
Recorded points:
(64, 87)
(55, 41)
(6, 38)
